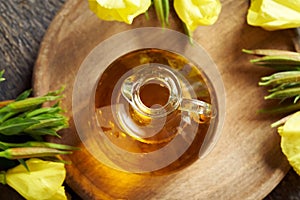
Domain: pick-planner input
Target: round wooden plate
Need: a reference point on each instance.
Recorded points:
(246, 163)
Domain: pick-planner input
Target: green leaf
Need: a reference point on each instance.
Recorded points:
(56, 92)
(6, 116)
(281, 109)
(48, 120)
(24, 95)
(42, 131)
(44, 110)
(22, 162)
(16, 125)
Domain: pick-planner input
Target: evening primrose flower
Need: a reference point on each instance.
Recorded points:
(43, 181)
(290, 140)
(119, 10)
(274, 14)
(197, 13)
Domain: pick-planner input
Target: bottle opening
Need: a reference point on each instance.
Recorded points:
(154, 94)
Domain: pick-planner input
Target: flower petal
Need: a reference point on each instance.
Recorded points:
(119, 10)
(197, 13)
(42, 182)
(59, 195)
(274, 14)
(290, 140)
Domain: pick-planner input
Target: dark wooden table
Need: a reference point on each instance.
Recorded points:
(22, 26)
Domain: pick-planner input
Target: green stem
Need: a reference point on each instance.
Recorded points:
(1, 75)
(166, 11)
(281, 109)
(280, 78)
(2, 177)
(146, 15)
(283, 94)
(158, 5)
(281, 121)
(187, 32)
(270, 52)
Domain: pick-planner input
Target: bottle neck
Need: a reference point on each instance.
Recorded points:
(162, 81)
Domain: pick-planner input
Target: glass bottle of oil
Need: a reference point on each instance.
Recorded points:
(153, 111)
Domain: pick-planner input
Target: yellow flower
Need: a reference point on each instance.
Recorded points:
(290, 140)
(43, 181)
(197, 13)
(274, 14)
(119, 10)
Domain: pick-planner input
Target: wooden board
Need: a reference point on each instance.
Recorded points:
(246, 163)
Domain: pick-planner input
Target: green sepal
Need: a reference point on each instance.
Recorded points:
(3, 177)
(22, 162)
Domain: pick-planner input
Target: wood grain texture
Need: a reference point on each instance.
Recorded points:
(23, 24)
(19, 20)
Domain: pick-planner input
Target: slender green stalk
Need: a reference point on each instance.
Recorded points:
(280, 78)
(280, 75)
(187, 32)
(158, 5)
(166, 11)
(283, 94)
(281, 121)
(276, 60)
(284, 86)
(56, 92)
(271, 52)
(1, 75)
(281, 109)
(147, 15)
(2, 177)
